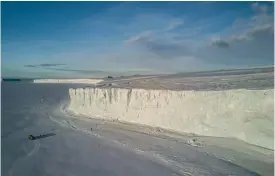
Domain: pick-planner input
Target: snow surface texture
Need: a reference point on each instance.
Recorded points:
(85, 146)
(78, 81)
(243, 114)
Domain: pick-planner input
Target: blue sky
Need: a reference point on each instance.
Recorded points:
(91, 39)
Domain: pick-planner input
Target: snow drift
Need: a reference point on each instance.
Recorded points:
(81, 81)
(243, 114)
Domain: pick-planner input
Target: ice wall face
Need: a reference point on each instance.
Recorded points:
(78, 81)
(242, 114)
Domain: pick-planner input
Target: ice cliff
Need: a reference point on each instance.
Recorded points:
(78, 81)
(243, 114)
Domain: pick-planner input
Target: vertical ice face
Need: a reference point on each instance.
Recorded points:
(78, 81)
(242, 114)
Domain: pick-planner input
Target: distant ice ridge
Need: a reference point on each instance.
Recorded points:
(243, 114)
(81, 81)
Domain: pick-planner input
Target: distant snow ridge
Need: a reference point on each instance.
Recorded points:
(78, 81)
(243, 114)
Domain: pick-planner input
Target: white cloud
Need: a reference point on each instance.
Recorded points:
(252, 45)
(161, 42)
(175, 24)
(259, 8)
(139, 37)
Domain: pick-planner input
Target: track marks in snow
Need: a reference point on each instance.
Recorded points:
(68, 124)
(23, 159)
(150, 155)
(170, 162)
(35, 148)
(63, 123)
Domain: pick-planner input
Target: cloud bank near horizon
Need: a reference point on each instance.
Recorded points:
(138, 37)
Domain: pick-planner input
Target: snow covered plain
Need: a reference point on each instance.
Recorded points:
(76, 145)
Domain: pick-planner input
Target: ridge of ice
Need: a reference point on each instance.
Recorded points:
(79, 81)
(243, 114)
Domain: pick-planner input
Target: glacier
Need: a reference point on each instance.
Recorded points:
(78, 81)
(240, 113)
